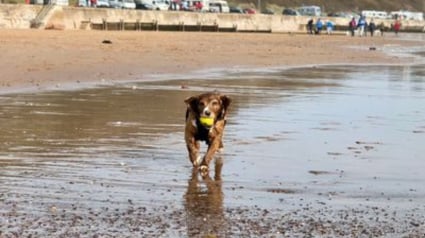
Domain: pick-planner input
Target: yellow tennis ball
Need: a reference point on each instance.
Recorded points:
(206, 121)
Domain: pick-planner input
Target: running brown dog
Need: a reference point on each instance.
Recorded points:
(205, 121)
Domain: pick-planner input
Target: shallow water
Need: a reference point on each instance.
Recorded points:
(342, 137)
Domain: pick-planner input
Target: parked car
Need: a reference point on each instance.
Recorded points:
(349, 15)
(236, 10)
(290, 12)
(267, 12)
(219, 6)
(375, 14)
(82, 3)
(310, 11)
(160, 5)
(249, 10)
(126, 4)
(144, 6)
(336, 14)
(152, 4)
(115, 3)
(102, 3)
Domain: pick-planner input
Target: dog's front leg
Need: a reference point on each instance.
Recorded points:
(212, 149)
(193, 147)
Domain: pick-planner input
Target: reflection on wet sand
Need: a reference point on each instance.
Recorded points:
(204, 204)
(303, 146)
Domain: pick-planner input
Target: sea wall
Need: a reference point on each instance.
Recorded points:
(17, 16)
(22, 16)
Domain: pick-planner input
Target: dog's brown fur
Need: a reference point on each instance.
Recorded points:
(212, 105)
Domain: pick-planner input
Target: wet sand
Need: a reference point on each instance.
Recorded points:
(329, 151)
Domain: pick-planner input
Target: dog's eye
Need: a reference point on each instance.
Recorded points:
(201, 104)
(215, 103)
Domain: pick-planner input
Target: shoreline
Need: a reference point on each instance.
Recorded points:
(214, 73)
(63, 60)
(217, 72)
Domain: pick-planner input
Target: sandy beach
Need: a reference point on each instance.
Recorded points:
(314, 147)
(39, 59)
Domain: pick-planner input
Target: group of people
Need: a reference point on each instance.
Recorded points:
(319, 26)
(186, 5)
(361, 26)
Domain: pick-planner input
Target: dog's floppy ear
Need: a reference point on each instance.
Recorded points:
(192, 103)
(225, 102)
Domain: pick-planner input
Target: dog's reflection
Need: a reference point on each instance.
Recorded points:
(204, 204)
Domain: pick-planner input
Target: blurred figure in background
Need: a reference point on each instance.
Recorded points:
(381, 28)
(397, 26)
(372, 27)
(319, 26)
(329, 27)
(352, 25)
(361, 25)
(310, 26)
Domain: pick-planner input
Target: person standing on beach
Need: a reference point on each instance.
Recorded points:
(352, 26)
(185, 5)
(329, 27)
(366, 27)
(397, 26)
(372, 27)
(199, 6)
(361, 25)
(382, 28)
(319, 26)
(173, 5)
(310, 26)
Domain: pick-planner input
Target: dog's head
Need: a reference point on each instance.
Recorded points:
(212, 105)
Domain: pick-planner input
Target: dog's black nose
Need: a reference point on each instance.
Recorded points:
(207, 113)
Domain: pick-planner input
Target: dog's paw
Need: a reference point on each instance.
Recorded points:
(204, 170)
